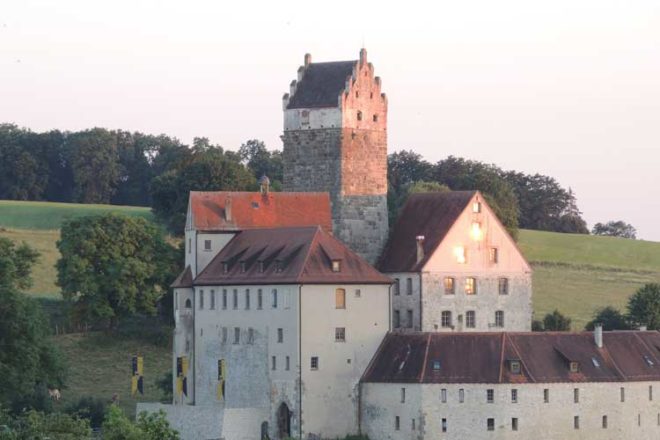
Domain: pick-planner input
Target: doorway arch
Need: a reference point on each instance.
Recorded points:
(283, 421)
(264, 431)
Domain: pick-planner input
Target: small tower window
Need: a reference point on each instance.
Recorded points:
(357, 94)
(188, 304)
(375, 118)
(359, 115)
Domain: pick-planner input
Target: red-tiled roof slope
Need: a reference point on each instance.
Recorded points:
(251, 210)
(429, 214)
(184, 279)
(544, 357)
(287, 256)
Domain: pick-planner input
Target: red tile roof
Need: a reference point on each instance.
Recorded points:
(429, 214)
(287, 256)
(544, 357)
(251, 210)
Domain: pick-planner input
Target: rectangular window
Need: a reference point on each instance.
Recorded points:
(470, 319)
(250, 335)
(514, 366)
(273, 363)
(224, 299)
(490, 424)
(445, 319)
(340, 298)
(514, 424)
(443, 395)
(623, 394)
(476, 207)
(499, 318)
(358, 293)
(212, 299)
(576, 422)
(340, 334)
(235, 299)
(576, 395)
(247, 299)
(470, 286)
(493, 255)
(409, 318)
(274, 298)
(189, 245)
(514, 396)
(201, 299)
(280, 335)
(207, 245)
(546, 395)
(314, 363)
(397, 319)
(237, 335)
(397, 424)
(503, 286)
(604, 422)
(413, 424)
(490, 396)
(461, 395)
(651, 392)
(461, 256)
(224, 335)
(260, 299)
(287, 363)
(450, 286)
(403, 395)
(397, 286)
(444, 425)
(409, 286)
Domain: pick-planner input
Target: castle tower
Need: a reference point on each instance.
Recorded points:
(335, 140)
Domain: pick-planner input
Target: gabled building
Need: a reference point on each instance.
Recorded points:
(282, 322)
(456, 268)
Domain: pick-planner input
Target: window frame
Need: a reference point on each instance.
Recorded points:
(450, 285)
(470, 286)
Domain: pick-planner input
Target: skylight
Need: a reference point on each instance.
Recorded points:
(595, 362)
(648, 361)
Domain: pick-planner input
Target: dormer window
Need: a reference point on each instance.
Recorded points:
(261, 266)
(336, 265)
(436, 365)
(574, 367)
(278, 266)
(514, 366)
(243, 266)
(595, 362)
(225, 267)
(648, 360)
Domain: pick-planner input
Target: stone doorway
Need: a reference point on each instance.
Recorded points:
(283, 421)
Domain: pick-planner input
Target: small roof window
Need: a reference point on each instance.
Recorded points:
(648, 360)
(262, 266)
(514, 366)
(436, 365)
(225, 267)
(574, 366)
(243, 266)
(595, 362)
(279, 267)
(336, 265)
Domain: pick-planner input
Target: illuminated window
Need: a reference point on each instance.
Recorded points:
(340, 299)
(493, 255)
(476, 207)
(470, 286)
(450, 287)
(475, 231)
(459, 253)
(336, 265)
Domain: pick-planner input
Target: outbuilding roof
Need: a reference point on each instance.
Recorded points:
(304, 255)
(322, 84)
(235, 211)
(544, 357)
(429, 214)
(184, 279)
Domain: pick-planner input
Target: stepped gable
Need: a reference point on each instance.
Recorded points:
(185, 279)
(322, 84)
(544, 357)
(301, 255)
(249, 210)
(429, 214)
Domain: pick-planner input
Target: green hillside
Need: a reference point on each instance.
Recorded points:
(48, 215)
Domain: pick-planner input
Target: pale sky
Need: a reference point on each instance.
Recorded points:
(568, 88)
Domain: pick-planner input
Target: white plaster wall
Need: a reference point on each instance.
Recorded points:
(218, 241)
(330, 394)
(191, 250)
(304, 119)
(183, 331)
(536, 419)
(404, 302)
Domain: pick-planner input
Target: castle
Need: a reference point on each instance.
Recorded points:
(301, 314)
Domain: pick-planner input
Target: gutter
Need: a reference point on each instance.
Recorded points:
(300, 361)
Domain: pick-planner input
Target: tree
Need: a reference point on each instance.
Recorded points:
(210, 169)
(395, 204)
(38, 425)
(615, 229)
(113, 266)
(28, 362)
(644, 307)
(556, 322)
(147, 427)
(405, 167)
(260, 161)
(610, 318)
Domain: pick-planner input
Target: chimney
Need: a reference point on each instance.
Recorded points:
(420, 248)
(308, 59)
(363, 56)
(264, 185)
(228, 216)
(598, 335)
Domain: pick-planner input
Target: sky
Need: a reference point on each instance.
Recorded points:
(566, 88)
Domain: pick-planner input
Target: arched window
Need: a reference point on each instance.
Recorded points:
(340, 298)
(188, 304)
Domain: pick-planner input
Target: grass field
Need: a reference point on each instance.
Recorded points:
(48, 215)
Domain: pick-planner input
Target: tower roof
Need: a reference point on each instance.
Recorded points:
(321, 84)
